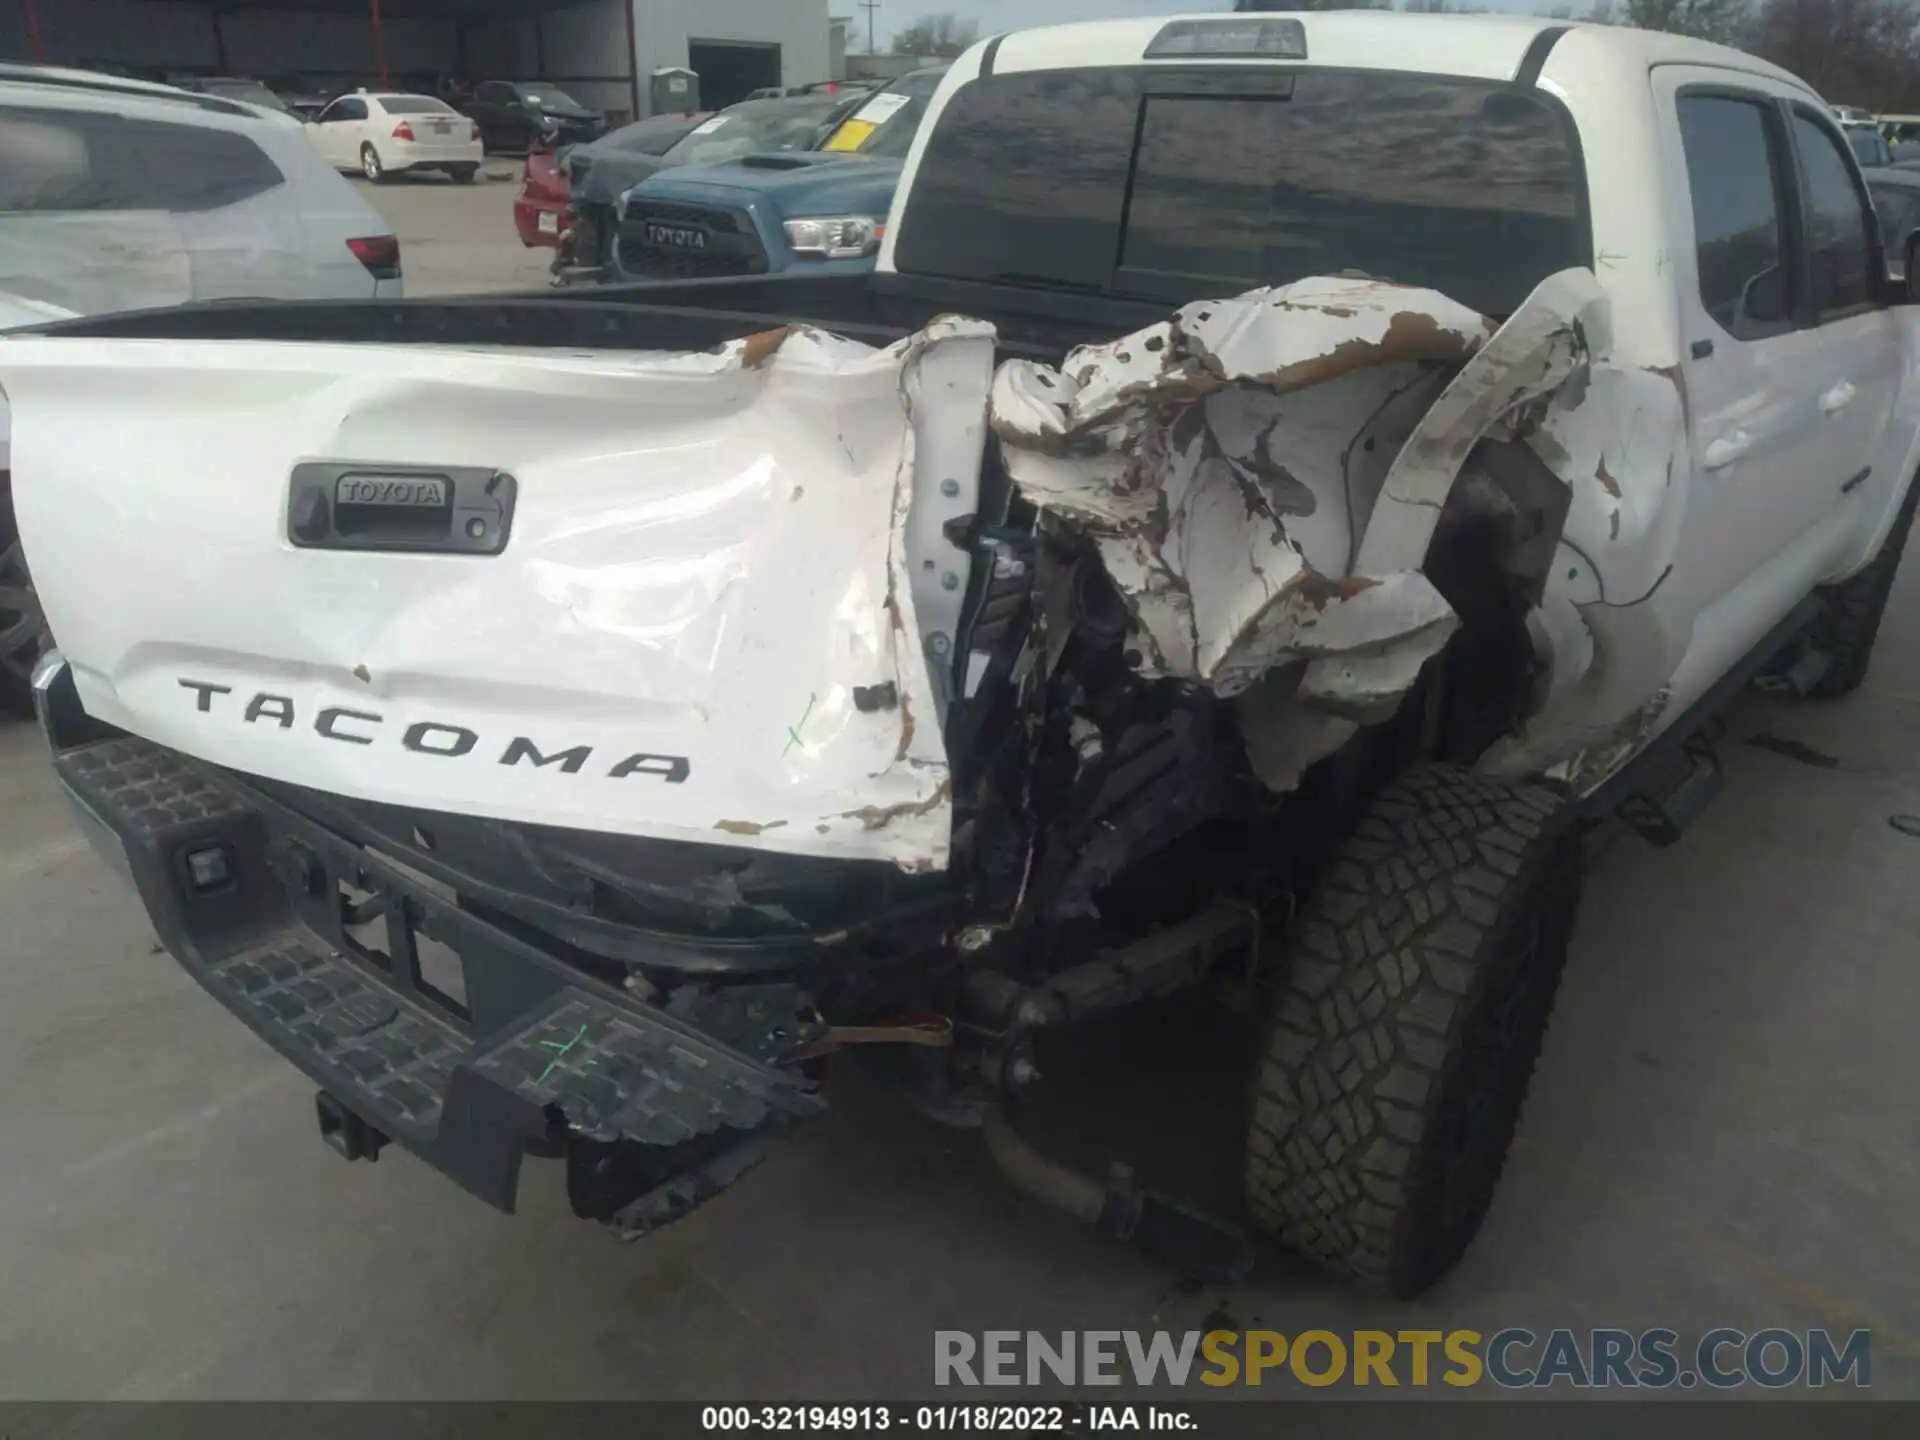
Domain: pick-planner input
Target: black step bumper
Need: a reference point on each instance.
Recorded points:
(536, 1053)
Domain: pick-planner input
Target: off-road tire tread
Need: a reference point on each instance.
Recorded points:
(1384, 962)
(1854, 608)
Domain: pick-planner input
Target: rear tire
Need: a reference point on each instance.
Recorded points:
(23, 628)
(1852, 621)
(370, 165)
(1406, 1023)
(463, 174)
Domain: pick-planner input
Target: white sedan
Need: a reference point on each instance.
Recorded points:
(381, 135)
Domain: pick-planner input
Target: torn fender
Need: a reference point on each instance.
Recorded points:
(1221, 461)
(1263, 475)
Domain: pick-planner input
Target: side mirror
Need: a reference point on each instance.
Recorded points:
(1762, 297)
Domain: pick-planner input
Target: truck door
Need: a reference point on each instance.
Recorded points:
(1757, 365)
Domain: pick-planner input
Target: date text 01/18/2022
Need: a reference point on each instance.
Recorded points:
(937, 1419)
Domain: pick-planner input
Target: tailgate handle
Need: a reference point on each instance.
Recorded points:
(420, 509)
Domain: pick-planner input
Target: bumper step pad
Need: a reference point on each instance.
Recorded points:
(540, 1048)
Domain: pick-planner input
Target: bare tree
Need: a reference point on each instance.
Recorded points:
(1705, 19)
(1854, 52)
(942, 34)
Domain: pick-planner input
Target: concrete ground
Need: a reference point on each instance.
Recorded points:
(458, 239)
(1722, 1132)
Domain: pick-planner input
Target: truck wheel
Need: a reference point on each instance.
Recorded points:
(1846, 632)
(1417, 983)
(23, 629)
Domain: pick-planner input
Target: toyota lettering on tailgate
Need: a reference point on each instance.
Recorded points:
(679, 237)
(405, 490)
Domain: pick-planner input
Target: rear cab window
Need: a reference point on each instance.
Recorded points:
(415, 105)
(1162, 184)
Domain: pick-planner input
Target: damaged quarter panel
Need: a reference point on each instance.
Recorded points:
(1263, 476)
(1220, 462)
(709, 556)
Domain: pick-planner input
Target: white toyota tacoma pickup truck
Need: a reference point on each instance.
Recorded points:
(1288, 476)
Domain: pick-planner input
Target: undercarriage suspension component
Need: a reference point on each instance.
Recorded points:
(999, 1014)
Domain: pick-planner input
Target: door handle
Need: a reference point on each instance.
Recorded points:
(1838, 398)
(1728, 448)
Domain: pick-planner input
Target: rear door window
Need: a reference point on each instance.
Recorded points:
(60, 160)
(1736, 176)
(1144, 183)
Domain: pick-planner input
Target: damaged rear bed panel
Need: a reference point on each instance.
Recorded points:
(706, 563)
(727, 569)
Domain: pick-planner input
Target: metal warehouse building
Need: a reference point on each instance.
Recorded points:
(600, 51)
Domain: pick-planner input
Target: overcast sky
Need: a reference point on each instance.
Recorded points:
(992, 15)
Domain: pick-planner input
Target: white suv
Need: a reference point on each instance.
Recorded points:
(120, 195)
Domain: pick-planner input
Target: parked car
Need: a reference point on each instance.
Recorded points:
(300, 94)
(119, 194)
(1896, 203)
(237, 87)
(511, 114)
(824, 210)
(543, 210)
(1101, 602)
(381, 136)
(599, 173)
(1902, 134)
(1868, 145)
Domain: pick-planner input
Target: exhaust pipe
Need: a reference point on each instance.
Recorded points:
(1202, 1246)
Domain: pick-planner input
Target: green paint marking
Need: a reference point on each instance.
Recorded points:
(560, 1052)
(1610, 259)
(793, 731)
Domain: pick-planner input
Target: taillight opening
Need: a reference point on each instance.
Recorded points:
(403, 131)
(379, 253)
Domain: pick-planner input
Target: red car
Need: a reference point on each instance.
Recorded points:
(542, 210)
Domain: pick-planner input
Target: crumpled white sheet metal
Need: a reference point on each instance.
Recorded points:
(709, 556)
(1263, 477)
(1221, 462)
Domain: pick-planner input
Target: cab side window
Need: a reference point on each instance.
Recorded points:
(1740, 241)
(1839, 225)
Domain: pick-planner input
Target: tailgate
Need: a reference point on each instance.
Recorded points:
(702, 624)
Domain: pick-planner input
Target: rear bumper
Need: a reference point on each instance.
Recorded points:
(541, 222)
(537, 1054)
(432, 157)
